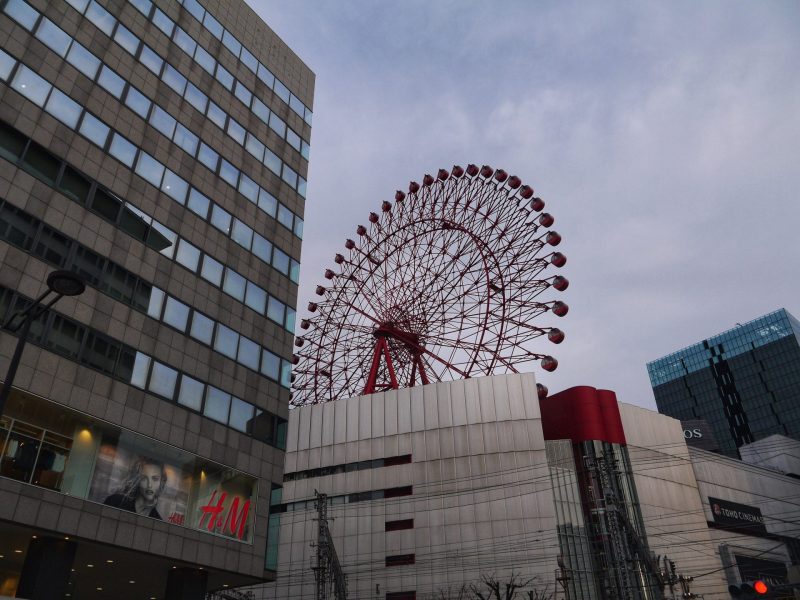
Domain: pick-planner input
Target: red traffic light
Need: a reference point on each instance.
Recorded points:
(760, 587)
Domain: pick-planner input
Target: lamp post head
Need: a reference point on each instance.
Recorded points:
(65, 283)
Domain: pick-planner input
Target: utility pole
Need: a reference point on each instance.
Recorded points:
(328, 572)
(686, 583)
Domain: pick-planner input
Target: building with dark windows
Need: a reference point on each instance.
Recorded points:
(744, 383)
(159, 150)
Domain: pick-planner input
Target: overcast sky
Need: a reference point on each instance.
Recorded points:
(664, 137)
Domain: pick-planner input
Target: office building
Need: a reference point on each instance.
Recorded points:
(159, 149)
(744, 383)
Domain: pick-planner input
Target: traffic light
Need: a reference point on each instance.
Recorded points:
(748, 590)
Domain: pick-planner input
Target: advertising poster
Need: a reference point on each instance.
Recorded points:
(139, 482)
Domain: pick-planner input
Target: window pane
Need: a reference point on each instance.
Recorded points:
(285, 216)
(137, 102)
(256, 298)
(289, 176)
(22, 13)
(202, 328)
(305, 149)
(298, 227)
(236, 131)
(249, 353)
(156, 301)
(294, 271)
(184, 41)
(100, 352)
(221, 219)
(163, 22)
(208, 157)
(217, 115)
(174, 186)
(194, 8)
(83, 60)
(261, 111)
(102, 19)
(241, 415)
(150, 169)
(74, 185)
(255, 147)
(176, 313)
(94, 129)
(270, 365)
(113, 83)
(217, 404)
(143, 6)
(243, 94)
(229, 173)
(249, 60)
(133, 223)
(262, 248)
(186, 139)
(196, 98)
(276, 310)
(41, 163)
(226, 341)
(106, 205)
(231, 43)
(151, 60)
(141, 366)
(174, 79)
(277, 125)
(163, 121)
(191, 393)
(293, 139)
(125, 38)
(30, 85)
(162, 239)
(242, 234)
(12, 143)
(198, 203)
(234, 284)
(188, 255)
(286, 374)
(290, 319)
(212, 270)
(213, 25)
(7, 63)
(280, 260)
(272, 162)
(282, 91)
(122, 150)
(53, 37)
(296, 105)
(301, 186)
(64, 108)
(267, 202)
(205, 60)
(163, 380)
(224, 77)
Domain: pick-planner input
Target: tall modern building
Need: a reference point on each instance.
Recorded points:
(158, 149)
(744, 382)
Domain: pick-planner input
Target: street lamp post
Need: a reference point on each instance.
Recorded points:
(60, 283)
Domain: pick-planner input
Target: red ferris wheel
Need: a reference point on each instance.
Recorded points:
(442, 284)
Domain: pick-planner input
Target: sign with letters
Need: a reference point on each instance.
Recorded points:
(732, 515)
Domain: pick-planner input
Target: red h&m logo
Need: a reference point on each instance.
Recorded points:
(231, 524)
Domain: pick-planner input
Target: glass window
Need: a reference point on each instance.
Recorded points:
(156, 302)
(231, 43)
(125, 38)
(205, 60)
(163, 380)
(301, 186)
(163, 22)
(41, 163)
(186, 139)
(224, 77)
(175, 186)
(151, 60)
(272, 162)
(198, 203)
(74, 185)
(234, 284)
(296, 105)
(277, 125)
(241, 414)
(285, 216)
(122, 150)
(226, 341)
(280, 260)
(64, 108)
(293, 139)
(53, 37)
(7, 63)
(294, 271)
(276, 310)
(208, 157)
(282, 91)
(249, 353)
(191, 393)
(228, 172)
(267, 202)
(213, 25)
(30, 85)
(217, 404)
(236, 131)
(143, 6)
(174, 79)
(83, 60)
(141, 366)
(242, 234)
(305, 149)
(184, 41)
(194, 8)
(162, 239)
(243, 94)
(255, 147)
(212, 270)
(113, 83)
(290, 318)
(256, 298)
(163, 121)
(270, 365)
(262, 248)
(102, 19)
(221, 219)
(249, 60)
(106, 205)
(12, 143)
(187, 255)
(176, 313)
(137, 102)
(266, 75)
(248, 188)
(133, 223)
(217, 115)
(298, 227)
(22, 13)
(94, 129)
(260, 109)
(308, 116)
(202, 328)
(289, 176)
(196, 98)
(286, 381)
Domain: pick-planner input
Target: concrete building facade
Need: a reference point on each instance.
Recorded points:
(158, 149)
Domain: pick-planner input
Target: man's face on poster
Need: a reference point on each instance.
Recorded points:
(150, 483)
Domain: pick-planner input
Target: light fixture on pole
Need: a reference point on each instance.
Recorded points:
(60, 283)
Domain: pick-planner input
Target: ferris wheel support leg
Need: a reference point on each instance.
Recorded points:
(381, 349)
(423, 376)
